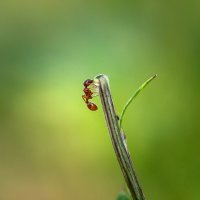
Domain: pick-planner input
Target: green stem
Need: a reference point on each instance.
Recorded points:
(118, 142)
(133, 97)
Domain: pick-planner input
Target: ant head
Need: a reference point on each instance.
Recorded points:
(87, 82)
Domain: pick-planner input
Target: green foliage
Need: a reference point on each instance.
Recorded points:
(122, 196)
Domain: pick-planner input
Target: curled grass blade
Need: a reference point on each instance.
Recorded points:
(135, 94)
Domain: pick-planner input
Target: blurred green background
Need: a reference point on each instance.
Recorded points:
(51, 146)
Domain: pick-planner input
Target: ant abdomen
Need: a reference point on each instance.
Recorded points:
(92, 106)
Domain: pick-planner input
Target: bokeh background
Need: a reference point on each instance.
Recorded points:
(51, 146)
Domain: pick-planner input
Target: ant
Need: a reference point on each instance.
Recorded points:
(88, 95)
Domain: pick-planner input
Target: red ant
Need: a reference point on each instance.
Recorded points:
(88, 95)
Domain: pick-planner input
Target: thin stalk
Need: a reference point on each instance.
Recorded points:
(120, 148)
(133, 97)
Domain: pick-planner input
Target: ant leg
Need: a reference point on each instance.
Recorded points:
(93, 86)
(85, 98)
(95, 94)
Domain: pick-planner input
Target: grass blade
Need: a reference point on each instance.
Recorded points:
(135, 94)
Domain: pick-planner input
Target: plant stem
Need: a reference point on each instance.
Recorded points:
(120, 148)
